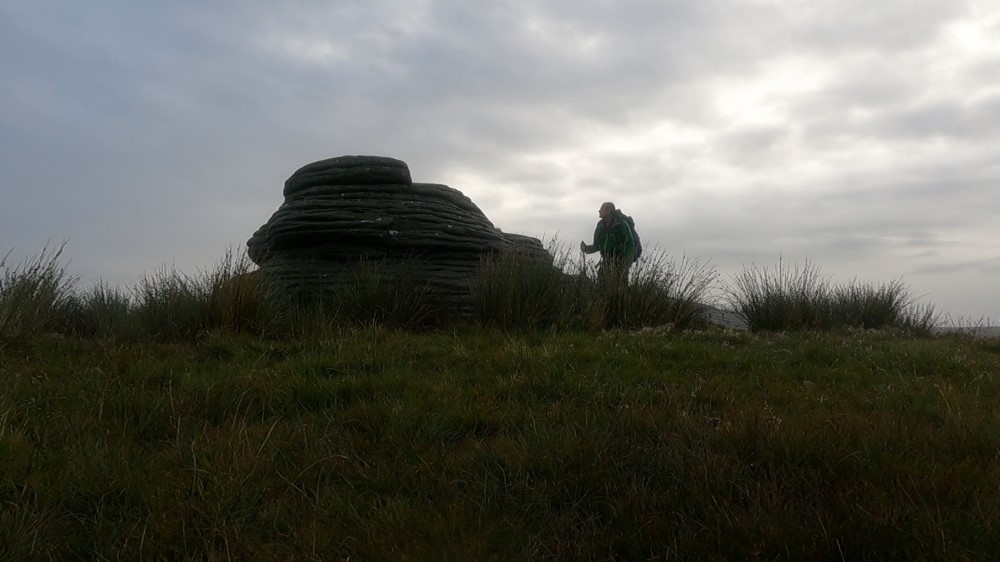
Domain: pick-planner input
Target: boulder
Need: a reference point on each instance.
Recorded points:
(342, 213)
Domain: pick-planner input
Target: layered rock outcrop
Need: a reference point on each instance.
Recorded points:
(342, 212)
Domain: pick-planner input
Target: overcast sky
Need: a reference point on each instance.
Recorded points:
(863, 136)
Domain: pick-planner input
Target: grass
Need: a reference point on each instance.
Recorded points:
(231, 297)
(510, 291)
(371, 296)
(34, 295)
(475, 443)
(661, 291)
(798, 298)
(515, 292)
(203, 418)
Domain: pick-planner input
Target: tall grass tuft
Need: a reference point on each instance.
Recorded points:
(232, 297)
(169, 306)
(376, 295)
(100, 311)
(798, 298)
(867, 305)
(783, 298)
(917, 318)
(239, 299)
(661, 290)
(514, 290)
(35, 295)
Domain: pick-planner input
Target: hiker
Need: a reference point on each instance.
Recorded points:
(613, 239)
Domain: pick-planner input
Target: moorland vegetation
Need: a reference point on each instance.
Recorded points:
(207, 417)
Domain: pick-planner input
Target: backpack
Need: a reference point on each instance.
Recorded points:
(635, 235)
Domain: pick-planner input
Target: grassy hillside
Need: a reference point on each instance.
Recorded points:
(206, 417)
(473, 443)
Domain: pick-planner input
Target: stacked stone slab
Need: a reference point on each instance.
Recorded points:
(347, 211)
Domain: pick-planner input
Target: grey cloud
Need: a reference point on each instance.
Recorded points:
(965, 121)
(834, 26)
(152, 132)
(984, 71)
(754, 146)
(987, 267)
(864, 82)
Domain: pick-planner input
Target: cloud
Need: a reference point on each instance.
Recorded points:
(859, 135)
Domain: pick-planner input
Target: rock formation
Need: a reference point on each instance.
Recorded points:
(341, 212)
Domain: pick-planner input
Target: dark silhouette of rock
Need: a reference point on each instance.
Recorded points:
(347, 211)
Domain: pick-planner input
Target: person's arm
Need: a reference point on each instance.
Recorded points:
(591, 248)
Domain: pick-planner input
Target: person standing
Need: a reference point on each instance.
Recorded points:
(613, 239)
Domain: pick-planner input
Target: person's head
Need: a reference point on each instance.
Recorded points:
(607, 210)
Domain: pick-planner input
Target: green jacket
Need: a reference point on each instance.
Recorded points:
(615, 242)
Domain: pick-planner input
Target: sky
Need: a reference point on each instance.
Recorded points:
(861, 137)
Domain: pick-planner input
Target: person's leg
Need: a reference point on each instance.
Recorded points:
(624, 273)
(614, 272)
